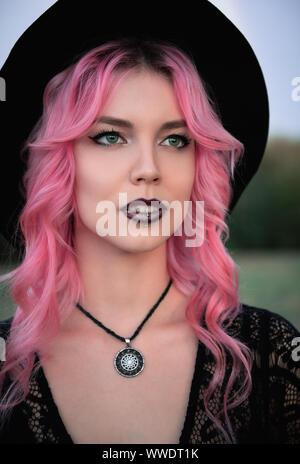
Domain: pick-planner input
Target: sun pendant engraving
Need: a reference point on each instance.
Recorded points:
(129, 362)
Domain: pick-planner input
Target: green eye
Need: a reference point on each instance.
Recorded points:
(111, 136)
(176, 139)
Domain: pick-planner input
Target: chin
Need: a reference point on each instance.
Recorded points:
(136, 244)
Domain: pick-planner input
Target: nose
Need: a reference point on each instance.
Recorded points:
(145, 169)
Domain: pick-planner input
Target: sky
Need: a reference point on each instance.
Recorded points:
(270, 26)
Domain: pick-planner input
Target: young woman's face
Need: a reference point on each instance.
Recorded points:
(140, 161)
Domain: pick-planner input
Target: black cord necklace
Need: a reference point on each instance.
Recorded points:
(128, 361)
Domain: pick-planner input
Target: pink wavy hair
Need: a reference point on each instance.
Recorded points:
(47, 283)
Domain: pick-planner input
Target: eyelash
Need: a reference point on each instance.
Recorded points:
(183, 138)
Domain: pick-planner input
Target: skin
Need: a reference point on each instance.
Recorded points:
(123, 276)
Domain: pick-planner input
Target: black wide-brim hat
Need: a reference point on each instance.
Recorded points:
(224, 59)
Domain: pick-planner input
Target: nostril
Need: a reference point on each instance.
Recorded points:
(143, 178)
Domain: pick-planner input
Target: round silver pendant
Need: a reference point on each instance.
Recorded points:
(129, 362)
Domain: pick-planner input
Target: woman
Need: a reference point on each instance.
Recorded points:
(132, 117)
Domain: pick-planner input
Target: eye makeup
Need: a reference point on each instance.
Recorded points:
(112, 133)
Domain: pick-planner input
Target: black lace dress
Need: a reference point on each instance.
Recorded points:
(271, 414)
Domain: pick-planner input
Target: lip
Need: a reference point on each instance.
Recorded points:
(141, 216)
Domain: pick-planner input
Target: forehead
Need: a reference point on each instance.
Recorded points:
(144, 92)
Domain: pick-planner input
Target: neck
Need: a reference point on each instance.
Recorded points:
(121, 286)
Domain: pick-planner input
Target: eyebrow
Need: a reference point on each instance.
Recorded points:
(123, 123)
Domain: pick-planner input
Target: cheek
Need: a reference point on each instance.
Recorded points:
(182, 176)
(96, 180)
(189, 176)
(181, 181)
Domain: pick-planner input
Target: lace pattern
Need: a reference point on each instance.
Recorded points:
(37, 412)
(271, 414)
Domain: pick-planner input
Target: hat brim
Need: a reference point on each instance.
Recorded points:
(224, 59)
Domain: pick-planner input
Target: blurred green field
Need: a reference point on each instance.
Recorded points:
(268, 279)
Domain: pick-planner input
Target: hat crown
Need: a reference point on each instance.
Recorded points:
(221, 54)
